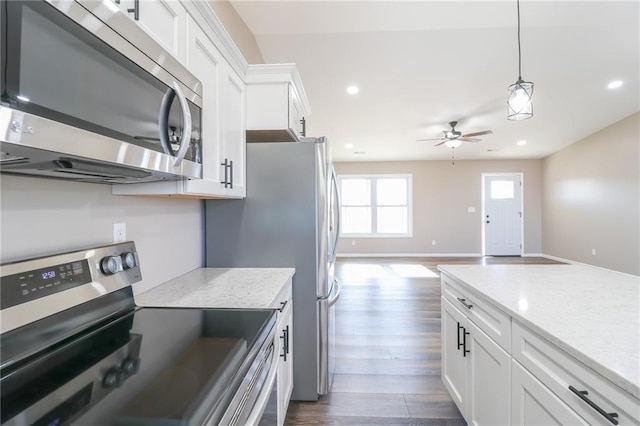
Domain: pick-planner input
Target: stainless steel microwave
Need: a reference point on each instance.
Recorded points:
(81, 101)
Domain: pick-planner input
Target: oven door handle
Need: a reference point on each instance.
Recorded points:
(265, 392)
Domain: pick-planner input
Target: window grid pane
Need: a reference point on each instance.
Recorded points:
(356, 192)
(391, 192)
(356, 220)
(392, 220)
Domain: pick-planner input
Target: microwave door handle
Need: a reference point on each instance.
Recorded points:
(163, 121)
(185, 140)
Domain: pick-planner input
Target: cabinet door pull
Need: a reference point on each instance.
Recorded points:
(303, 123)
(583, 396)
(231, 174)
(226, 171)
(287, 342)
(465, 351)
(135, 10)
(284, 338)
(282, 305)
(459, 342)
(464, 302)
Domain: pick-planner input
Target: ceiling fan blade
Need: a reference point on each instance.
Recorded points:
(469, 139)
(484, 132)
(433, 139)
(438, 144)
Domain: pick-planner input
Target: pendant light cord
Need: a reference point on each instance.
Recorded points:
(519, 54)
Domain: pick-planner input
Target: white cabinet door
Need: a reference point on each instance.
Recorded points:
(233, 127)
(285, 369)
(532, 403)
(206, 63)
(488, 379)
(165, 21)
(454, 370)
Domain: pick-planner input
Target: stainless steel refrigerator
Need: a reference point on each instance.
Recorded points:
(289, 218)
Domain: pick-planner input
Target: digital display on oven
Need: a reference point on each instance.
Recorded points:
(37, 283)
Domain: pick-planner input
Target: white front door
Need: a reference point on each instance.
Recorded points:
(502, 212)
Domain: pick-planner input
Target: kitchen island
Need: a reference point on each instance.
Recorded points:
(551, 326)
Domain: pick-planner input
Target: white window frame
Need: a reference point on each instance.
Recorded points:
(374, 205)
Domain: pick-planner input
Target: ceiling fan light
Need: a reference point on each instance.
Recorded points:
(519, 103)
(453, 143)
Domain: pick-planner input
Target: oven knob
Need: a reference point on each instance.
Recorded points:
(113, 378)
(130, 365)
(128, 260)
(111, 264)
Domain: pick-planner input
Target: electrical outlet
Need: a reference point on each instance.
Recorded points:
(119, 232)
(593, 252)
(433, 242)
(353, 242)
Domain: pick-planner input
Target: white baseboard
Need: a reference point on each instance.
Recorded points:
(409, 254)
(533, 255)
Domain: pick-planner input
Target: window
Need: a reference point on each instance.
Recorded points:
(376, 205)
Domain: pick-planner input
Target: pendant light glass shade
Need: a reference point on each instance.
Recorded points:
(519, 103)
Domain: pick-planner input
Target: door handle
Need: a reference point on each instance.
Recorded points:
(135, 10)
(185, 140)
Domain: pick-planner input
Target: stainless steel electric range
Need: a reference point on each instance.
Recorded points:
(75, 349)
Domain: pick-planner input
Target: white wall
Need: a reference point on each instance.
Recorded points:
(442, 192)
(591, 199)
(40, 216)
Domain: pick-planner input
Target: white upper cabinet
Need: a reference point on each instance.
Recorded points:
(223, 97)
(233, 125)
(163, 20)
(277, 104)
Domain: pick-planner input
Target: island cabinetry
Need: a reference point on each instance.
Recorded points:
(284, 305)
(276, 104)
(583, 392)
(534, 404)
(475, 369)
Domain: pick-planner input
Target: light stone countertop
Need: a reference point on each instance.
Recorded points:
(591, 313)
(220, 288)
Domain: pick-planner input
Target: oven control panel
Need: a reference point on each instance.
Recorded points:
(35, 288)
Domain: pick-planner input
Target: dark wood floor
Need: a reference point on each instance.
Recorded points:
(388, 346)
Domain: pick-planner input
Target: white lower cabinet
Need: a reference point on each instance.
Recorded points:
(475, 370)
(284, 380)
(532, 403)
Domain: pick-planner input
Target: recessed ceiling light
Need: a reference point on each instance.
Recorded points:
(614, 84)
(352, 90)
(349, 146)
(522, 143)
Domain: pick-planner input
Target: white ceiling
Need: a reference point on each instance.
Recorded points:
(421, 64)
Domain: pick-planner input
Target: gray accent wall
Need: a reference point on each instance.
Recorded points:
(442, 194)
(40, 216)
(591, 199)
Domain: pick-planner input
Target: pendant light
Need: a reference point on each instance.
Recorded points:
(519, 103)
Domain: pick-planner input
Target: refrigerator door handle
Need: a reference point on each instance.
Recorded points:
(332, 301)
(334, 183)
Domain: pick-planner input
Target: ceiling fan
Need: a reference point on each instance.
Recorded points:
(452, 138)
